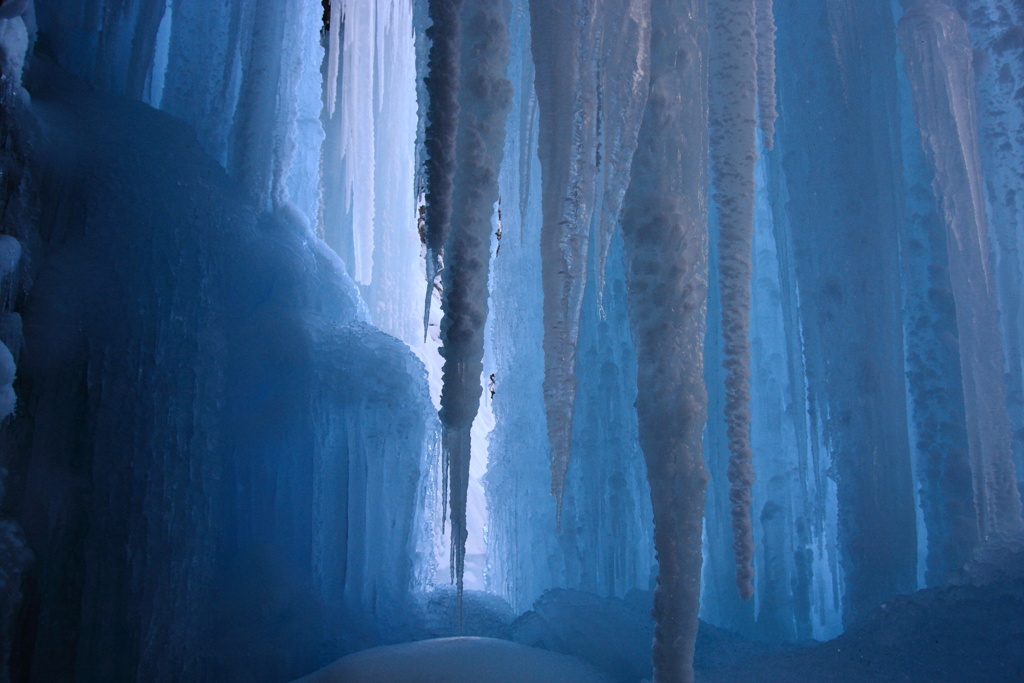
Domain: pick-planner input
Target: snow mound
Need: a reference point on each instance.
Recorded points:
(456, 660)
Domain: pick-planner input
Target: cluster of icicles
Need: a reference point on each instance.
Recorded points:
(614, 150)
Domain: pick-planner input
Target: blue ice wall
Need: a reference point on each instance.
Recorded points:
(218, 462)
(212, 404)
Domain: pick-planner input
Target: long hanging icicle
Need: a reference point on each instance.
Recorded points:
(624, 62)
(939, 55)
(766, 70)
(484, 97)
(664, 230)
(356, 60)
(562, 41)
(333, 55)
(442, 85)
(733, 107)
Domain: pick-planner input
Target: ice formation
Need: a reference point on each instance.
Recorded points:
(766, 70)
(938, 51)
(662, 240)
(733, 103)
(590, 95)
(563, 39)
(485, 97)
(664, 228)
(442, 117)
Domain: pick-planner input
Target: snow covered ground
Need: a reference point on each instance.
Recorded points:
(457, 660)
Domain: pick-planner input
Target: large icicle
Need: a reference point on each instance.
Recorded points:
(939, 55)
(995, 30)
(484, 98)
(665, 236)
(442, 124)
(766, 70)
(733, 114)
(624, 65)
(563, 42)
(356, 108)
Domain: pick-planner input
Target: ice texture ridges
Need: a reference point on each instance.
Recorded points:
(664, 229)
(939, 54)
(733, 118)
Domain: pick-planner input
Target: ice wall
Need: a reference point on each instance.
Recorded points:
(994, 28)
(208, 415)
(231, 417)
(933, 366)
(250, 88)
(836, 146)
(938, 52)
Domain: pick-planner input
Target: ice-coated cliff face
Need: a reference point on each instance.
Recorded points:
(307, 308)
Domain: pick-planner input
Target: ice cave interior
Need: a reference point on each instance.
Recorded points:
(511, 340)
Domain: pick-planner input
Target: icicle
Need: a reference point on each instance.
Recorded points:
(485, 97)
(563, 44)
(939, 56)
(766, 70)
(733, 152)
(664, 229)
(625, 56)
(359, 127)
(439, 144)
(333, 55)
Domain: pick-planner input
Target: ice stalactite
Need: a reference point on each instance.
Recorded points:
(733, 114)
(591, 90)
(354, 104)
(484, 100)
(442, 123)
(766, 70)
(333, 55)
(251, 147)
(665, 236)
(939, 54)
(624, 69)
(563, 37)
(933, 365)
(995, 30)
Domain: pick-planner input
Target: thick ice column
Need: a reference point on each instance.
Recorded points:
(204, 61)
(836, 145)
(995, 31)
(733, 105)
(563, 41)
(933, 365)
(665, 234)
(484, 99)
(939, 53)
